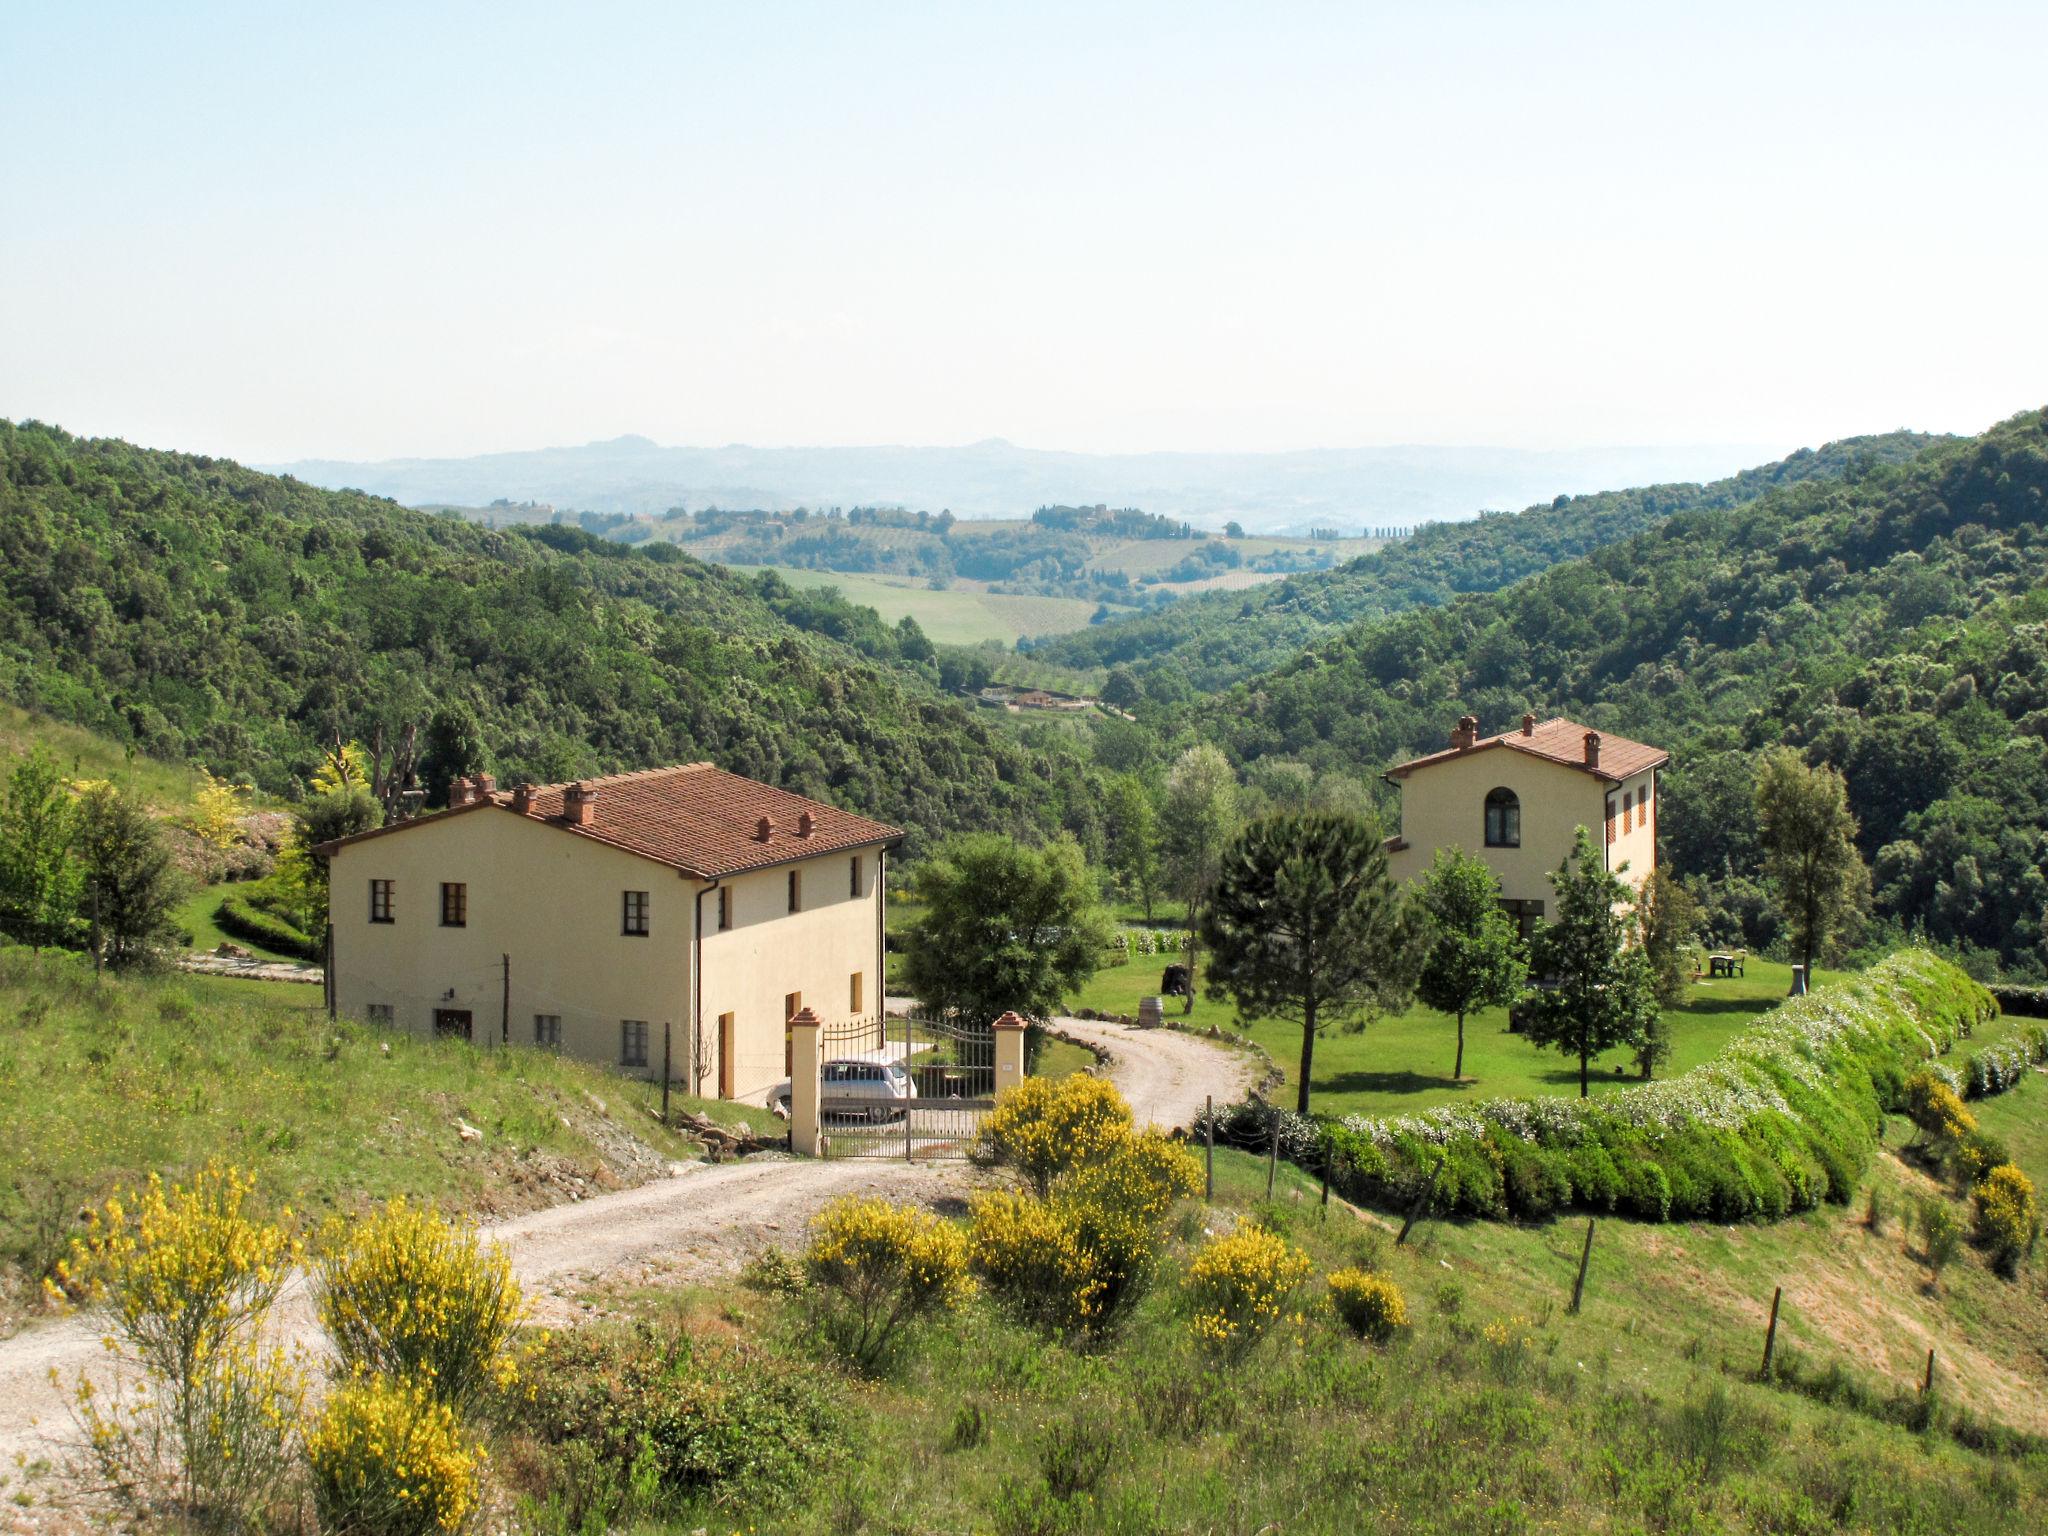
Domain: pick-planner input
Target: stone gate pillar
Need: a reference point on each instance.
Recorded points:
(1009, 1030)
(806, 1067)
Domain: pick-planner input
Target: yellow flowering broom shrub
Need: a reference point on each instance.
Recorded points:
(883, 1266)
(407, 1293)
(185, 1277)
(1370, 1305)
(1075, 1258)
(1044, 1126)
(2008, 1217)
(388, 1458)
(1238, 1286)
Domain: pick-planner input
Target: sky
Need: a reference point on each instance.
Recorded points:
(360, 231)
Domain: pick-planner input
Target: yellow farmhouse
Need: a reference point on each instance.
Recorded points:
(1516, 800)
(681, 912)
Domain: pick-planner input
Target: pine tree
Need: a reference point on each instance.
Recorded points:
(1304, 924)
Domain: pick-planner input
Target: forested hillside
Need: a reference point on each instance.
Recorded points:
(200, 610)
(1893, 623)
(1220, 638)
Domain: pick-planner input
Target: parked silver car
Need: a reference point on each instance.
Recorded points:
(884, 1085)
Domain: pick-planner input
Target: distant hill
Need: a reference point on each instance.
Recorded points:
(196, 610)
(1218, 638)
(1892, 622)
(1350, 488)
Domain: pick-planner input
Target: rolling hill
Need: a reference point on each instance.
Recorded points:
(197, 610)
(1268, 492)
(1220, 638)
(1893, 622)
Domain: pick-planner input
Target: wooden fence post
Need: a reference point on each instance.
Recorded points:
(1273, 1155)
(1927, 1381)
(1585, 1255)
(1209, 1153)
(1771, 1332)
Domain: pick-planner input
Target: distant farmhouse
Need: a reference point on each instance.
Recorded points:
(1516, 799)
(683, 911)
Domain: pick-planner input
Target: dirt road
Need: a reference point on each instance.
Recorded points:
(702, 1224)
(1166, 1074)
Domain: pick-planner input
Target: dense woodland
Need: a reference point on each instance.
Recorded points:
(1216, 639)
(196, 609)
(1892, 622)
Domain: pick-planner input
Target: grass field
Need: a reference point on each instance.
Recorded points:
(103, 1082)
(1402, 1063)
(956, 616)
(82, 754)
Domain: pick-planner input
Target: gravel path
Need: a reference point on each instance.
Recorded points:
(1164, 1073)
(702, 1224)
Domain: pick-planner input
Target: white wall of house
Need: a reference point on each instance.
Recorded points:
(1444, 806)
(554, 902)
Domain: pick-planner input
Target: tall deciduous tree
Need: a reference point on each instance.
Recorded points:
(1005, 927)
(1471, 952)
(1196, 825)
(1671, 924)
(1598, 990)
(1809, 841)
(1131, 828)
(38, 879)
(129, 883)
(1304, 924)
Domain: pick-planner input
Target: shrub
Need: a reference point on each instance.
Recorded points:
(882, 1266)
(2008, 1217)
(388, 1458)
(1784, 1117)
(1875, 1210)
(1941, 1234)
(733, 1427)
(407, 1294)
(2028, 1002)
(1044, 1126)
(1076, 1258)
(186, 1279)
(241, 917)
(1238, 1286)
(1371, 1306)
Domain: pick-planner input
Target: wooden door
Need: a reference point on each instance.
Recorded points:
(725, 1046)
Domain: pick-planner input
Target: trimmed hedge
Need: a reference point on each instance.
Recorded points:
(2026, 1002)
(241, 917)
(1785, 1117)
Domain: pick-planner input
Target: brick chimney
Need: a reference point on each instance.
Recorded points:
(803, 824)
(1528, 725)
(522, 799)
(485, 784)
(579, 805)
(1467, 732)
(459, 791)
(763, 830)
(1592, 749)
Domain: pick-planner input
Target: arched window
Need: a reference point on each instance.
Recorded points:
(1503, 819)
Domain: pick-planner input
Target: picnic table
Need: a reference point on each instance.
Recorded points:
(1725, 965)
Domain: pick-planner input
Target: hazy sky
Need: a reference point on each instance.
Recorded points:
(272, 233)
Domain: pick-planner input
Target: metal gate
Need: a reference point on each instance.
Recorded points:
(914, 1087)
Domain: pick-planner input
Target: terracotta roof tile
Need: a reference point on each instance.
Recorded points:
(693, 817)
(1560, 741)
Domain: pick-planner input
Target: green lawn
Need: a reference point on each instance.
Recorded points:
(1403, 1063)
(956, 616)
(194, 915)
